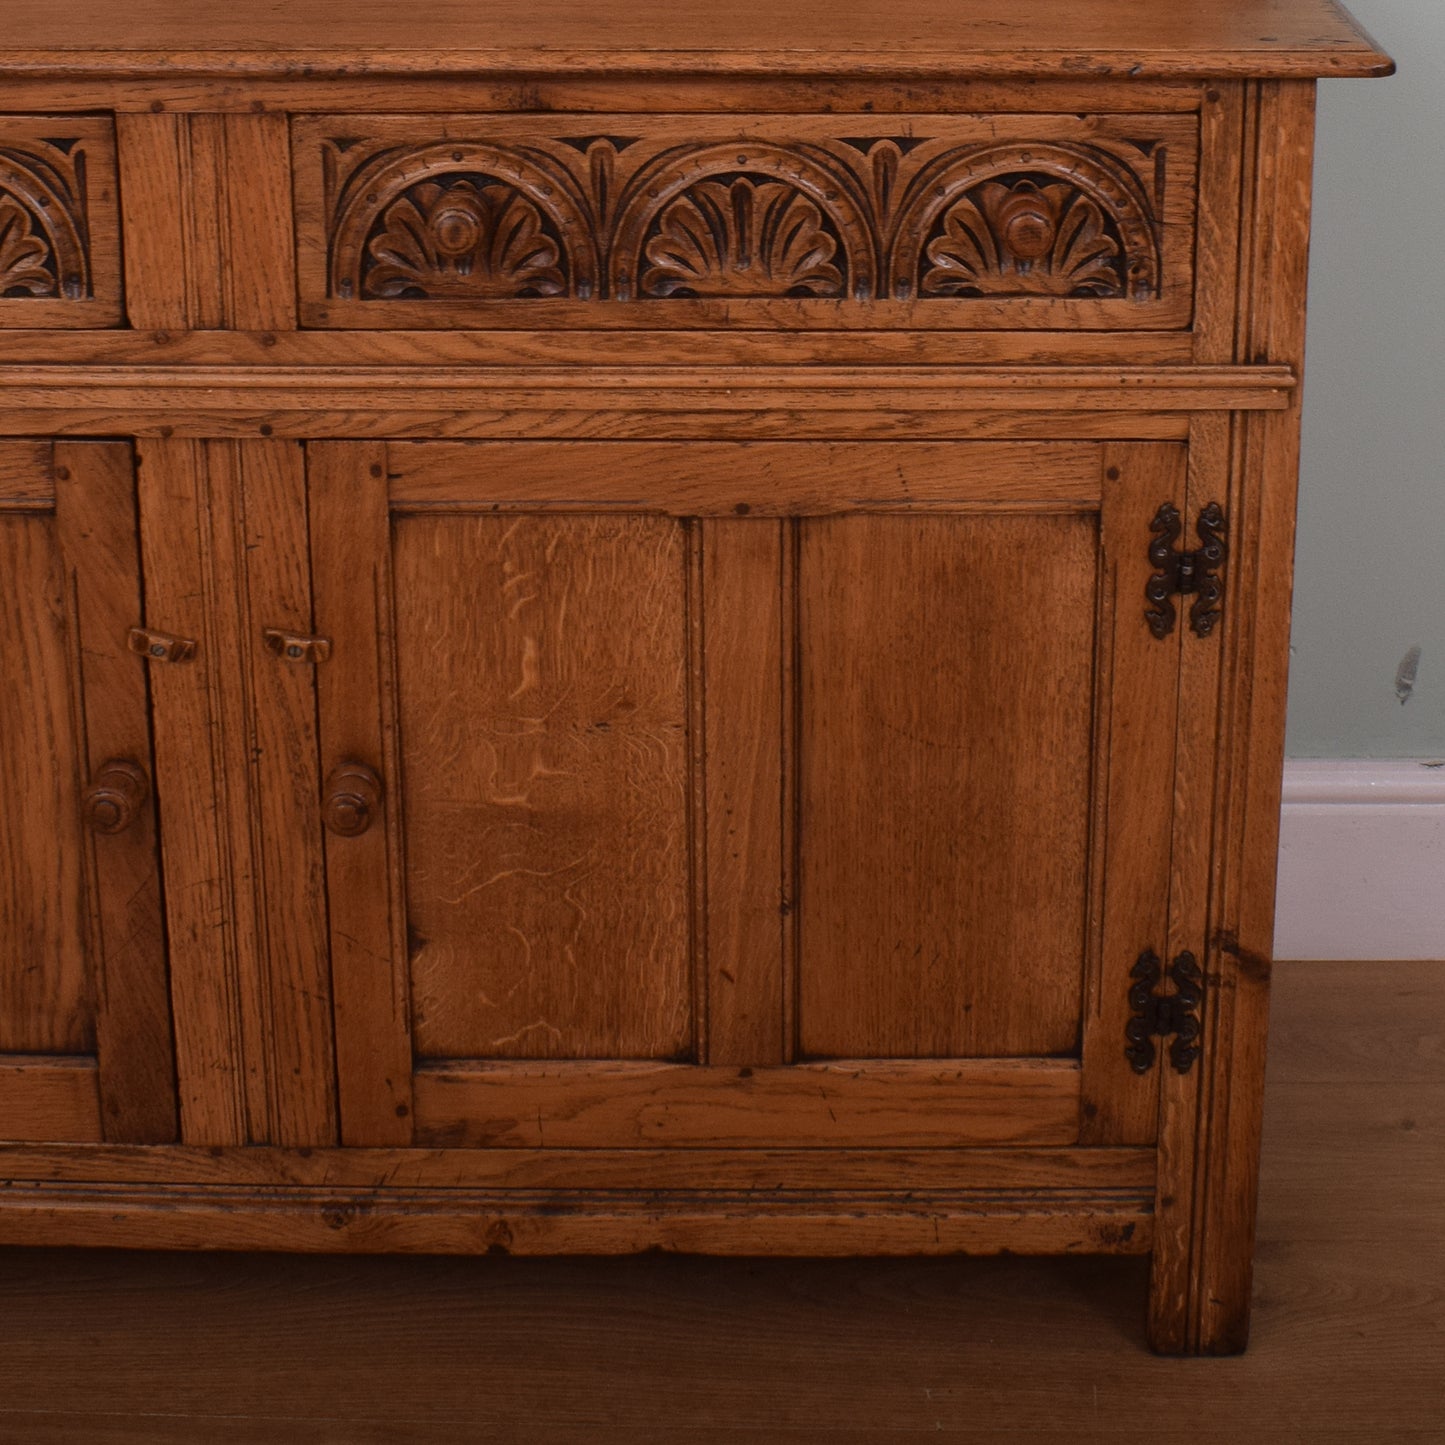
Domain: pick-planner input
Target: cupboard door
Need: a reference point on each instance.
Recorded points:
(85, 1029)
(694, 793)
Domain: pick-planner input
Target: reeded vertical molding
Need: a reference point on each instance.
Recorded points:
(1231, 748)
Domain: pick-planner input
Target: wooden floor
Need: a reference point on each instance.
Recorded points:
(1349, 1341)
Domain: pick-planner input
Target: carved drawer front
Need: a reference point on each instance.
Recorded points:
(59, 236)
(949, 222)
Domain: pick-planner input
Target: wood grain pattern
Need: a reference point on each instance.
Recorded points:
(769, 417)
(224, 542)
(946, 662)
(854, 1103)
(541, 682)
(25, 477)
(365, 882)
(1134, 789)
(80, 90)
(1210, 1140)
(746, 645)
(648, 392)
(281, 793)
(286, 350)
(207, 224)
(1013, 1168)
(758, 479)
(98, 532)
(1033, 37)
(189, 579)
(460, 1223)
(46, 1098)
(46, 985)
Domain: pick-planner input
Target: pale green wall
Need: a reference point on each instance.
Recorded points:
(1370, 580)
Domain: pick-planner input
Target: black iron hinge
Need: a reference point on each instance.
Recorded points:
(1157, 1015)
(1186, 574)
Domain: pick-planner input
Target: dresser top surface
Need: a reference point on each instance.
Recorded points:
(1119, 38)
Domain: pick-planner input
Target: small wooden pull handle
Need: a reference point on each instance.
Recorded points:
(295, 646)
(353, 797)
(113, 801)
(160, 646)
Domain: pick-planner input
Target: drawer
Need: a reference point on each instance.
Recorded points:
(953, 222)
(59, 235)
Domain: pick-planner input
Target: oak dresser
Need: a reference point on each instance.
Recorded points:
(649, 626)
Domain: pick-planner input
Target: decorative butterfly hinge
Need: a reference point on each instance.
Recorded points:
(1186, 574)
(1157, 1015)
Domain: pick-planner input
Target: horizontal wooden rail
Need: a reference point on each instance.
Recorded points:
(671, 346)
(142, 1216)
(873, 403)
(652, 389)
(902, 1104)
(50, 1097)
(757, 479)
(903, 1171)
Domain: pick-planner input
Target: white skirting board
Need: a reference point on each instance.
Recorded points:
(1361, 860)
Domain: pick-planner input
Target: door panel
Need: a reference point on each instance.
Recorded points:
(542, 680)
(85, 1042)
(946, 719)
(687, 824)
(45, 990)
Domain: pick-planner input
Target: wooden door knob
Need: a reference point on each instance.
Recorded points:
(353, 797)
(113, 801)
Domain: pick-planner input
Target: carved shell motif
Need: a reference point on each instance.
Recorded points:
(26, 260)
(741, 237)
(1023, 238)
(471, 238)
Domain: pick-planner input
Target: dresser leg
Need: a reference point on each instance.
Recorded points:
(1212, 1317)
(1202, 1272)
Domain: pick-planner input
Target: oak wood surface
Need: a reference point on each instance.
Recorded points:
(211, 955)
(97, 527)
(462, 1222)
(296, 93)
(82, 951)
(46, 982)
(743, 782)
(628, 234)
(223, 529)
(207, 223)
(290, 350)
(49, 1097)
(1210, 1123)
(848, 1102)
(946, 661)
(713, 667)
(999, 1169)
(357, 724)
(542, 690)
(1136, 703)
(755, 479)
(1033, 37)
(123, 1348)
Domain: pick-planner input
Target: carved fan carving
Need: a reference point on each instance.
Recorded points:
(43, 251)
(741, 237)
(525, 213)
(27, 261)
(472, 237)
(1024, 238)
